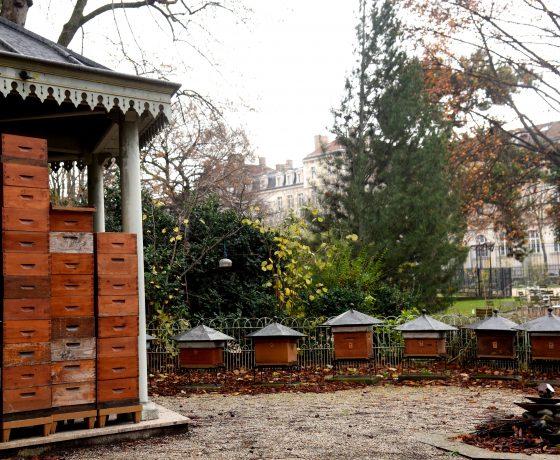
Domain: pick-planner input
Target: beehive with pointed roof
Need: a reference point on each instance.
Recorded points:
(424, 336)
(275, 345)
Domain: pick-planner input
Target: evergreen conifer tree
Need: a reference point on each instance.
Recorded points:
(390, 185)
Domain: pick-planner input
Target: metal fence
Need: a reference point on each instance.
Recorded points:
(316, 348)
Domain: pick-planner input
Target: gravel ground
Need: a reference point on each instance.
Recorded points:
(379, 422)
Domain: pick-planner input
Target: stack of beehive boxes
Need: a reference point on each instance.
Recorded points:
(73, 320)
(117, 325)
(26, 312)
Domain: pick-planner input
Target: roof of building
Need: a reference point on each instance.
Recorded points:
(551, 130)
(425, 323)
(202, 333)
(352, 318)
(493, 323)
(330, 147)
(546, 323)
(276, 330)
(19, 40)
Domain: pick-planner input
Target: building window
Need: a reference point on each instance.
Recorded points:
(481, 248)
(502, 245)
(298, 177)
(300, 200)
(534, 241)
(279, 203)
(290, 202)
(313, 172)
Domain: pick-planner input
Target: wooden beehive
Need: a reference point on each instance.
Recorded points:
(495, 337)
(544, 335)
(201, 348)
(275, 345)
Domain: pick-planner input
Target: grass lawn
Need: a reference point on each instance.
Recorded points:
(466, 306)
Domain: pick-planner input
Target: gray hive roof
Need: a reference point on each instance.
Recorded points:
(425, 323)
(202, 333)
(493, 323)
(276, 330)
(18, 40)
(352, 318)
(546, 323)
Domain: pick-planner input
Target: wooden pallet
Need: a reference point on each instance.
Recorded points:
(134, 410)
(7, 426)
(88, 415)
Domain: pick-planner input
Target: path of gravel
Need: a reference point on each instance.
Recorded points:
(380, 422)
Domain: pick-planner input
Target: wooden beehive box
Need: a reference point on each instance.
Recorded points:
(276, 345)
(201, 348)
(544, 334)
(495, 337)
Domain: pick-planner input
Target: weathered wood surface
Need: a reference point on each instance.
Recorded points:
(27, 287)
(26, 376)
(72, 306)
(26, 354)
(117, 285)
(73, 349)
(117, 264)
(73, 371)
(115, 243)
(27, 242)
(70, 394)
(73, 327)
(24, 147)
(117, 326)
(26, 399)
(22, 175)
(17, 309)
(115, 390)
(26, 264)
(115, 347)
(72, 285)
(116, 368)
(25, 220)
(117, 305)
(25, 197)
(25, 331)
(72, 219)
(72, 264)
(71, 242)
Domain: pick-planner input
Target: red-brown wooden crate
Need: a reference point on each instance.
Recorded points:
(117, 285)
(25, 220)
(73, 349)
(72, 264)
(71, 242)
(73, 371)
(117, 264)
(27, 287)
(26, 399)
(115, 243)
(117, 326)
(116, 368)
(26, 331)
(117, 305)
(71, 285)
(22, 175)
(24, 147)
(25, 197)
(117, 347)
(72, 219)
(276, 351)
(201, 358)
(545, 347)
(23, 264)
(73, 327)
(17, 309)
(495, 344)
(353, 345)
(26, 376)
(116, 390)
(26, 354)
(72, 306)
(27, 242)
(74, 393)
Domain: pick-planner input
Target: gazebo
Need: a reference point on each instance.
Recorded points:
(87, 113)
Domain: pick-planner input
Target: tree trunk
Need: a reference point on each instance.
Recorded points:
(16, 10)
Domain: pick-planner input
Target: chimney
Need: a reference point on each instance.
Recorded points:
(289, 164)
(320, 141)
(262, 161)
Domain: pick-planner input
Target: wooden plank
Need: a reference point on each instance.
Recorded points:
(26, 331)
(72, 306)
(25, 220)
(117, 326)
(88, 416)
(71, 242)
(71, 285)
(117, 305)
(72, 219)
(32, 264)
(117, 285)
(73, 371)
(24, 147)
(7, 426)
(18, 309)
(72, 264)
(135, 410)
(22, 175)
(115, 243)
(73, 327)
(70, 394)
(117, 347)
(27, 287)
(26, 376)
(116, 368)
(115, 390)
(73, 349)
(26, 354)
(25, 197)
(117, 264)
(26, 399)
(27, 242)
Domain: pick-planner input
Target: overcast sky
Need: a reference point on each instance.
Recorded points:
(282, 70)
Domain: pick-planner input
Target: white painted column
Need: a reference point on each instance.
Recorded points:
(96, 193)
(132, 223)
